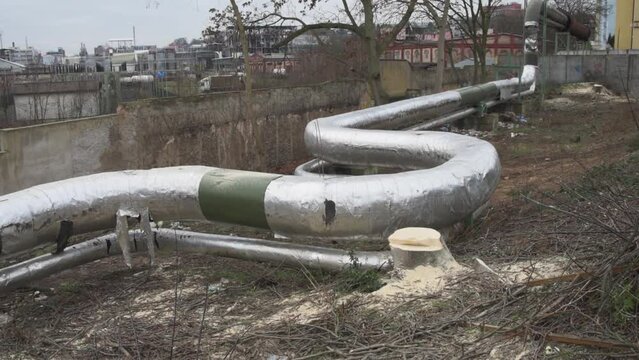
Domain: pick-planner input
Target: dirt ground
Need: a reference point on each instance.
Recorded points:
(195, 306)
(576, 130)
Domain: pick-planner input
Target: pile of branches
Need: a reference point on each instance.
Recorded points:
(594, 303)
(358, 329)
(588, 311)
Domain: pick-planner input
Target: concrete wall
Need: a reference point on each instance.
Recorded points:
(54, 106)
(401, 79)
(38, 98)
(215, 130)
(615, 71)
(424, 79)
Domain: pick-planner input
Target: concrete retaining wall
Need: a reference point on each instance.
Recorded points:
(401, 79)
(215, 130)
(615, 71)
(41, 107)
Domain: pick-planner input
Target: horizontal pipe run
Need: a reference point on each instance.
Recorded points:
(295, 255)
(445, 119)
(578, 30)
(32, 217)
(553, 24)
(557, 16)
(462, 114)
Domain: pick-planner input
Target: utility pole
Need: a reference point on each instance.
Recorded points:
(1, 45)
(134, 37)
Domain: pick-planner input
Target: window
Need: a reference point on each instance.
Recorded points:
(426, 56)
(407, 54)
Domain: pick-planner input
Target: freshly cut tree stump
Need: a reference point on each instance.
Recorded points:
(414, 246)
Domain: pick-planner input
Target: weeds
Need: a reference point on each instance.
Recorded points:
(354, 278)
(69, 288)
(521, 149)
(633, 145)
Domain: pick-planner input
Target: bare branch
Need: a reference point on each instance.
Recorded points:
(325, 25)
(398, 27)
(348, 13)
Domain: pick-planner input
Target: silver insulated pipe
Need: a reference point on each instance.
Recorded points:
(442, 178)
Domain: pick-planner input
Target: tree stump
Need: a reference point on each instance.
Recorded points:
(412, 247)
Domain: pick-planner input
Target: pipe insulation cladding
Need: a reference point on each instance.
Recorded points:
(446, 178)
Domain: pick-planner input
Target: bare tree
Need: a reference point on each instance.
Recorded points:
(6, 98)
(472, 18)
(360, 17)
(231, 22)
(440, 17)
(39, 106)
(587, 12)
(510, 22)
(366, 30)
(239, 24)
(334, 56)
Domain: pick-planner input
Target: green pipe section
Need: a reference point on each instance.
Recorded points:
(234, 196)
(473, 95)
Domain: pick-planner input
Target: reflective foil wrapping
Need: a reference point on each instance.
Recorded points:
(458, 173)
(465, 174)
(31, 217)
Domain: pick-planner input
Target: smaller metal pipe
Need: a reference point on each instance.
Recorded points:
(463, 113)
(578, 30)
(290, 254)
(557, 16)
(313, 167)
(444, 119)
(554, 24)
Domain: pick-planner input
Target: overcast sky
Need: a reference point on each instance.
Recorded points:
(48, 24)
(51, 23)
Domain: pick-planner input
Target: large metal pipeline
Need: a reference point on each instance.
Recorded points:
(446, 178)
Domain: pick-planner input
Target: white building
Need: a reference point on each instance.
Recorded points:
(28, 56)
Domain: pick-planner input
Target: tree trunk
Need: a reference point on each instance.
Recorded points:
(373, 76)
(248, 76)
(455, 70)
(475, 65)
(482, 55)
(483, 67)
(441, 48)
(485, 26)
